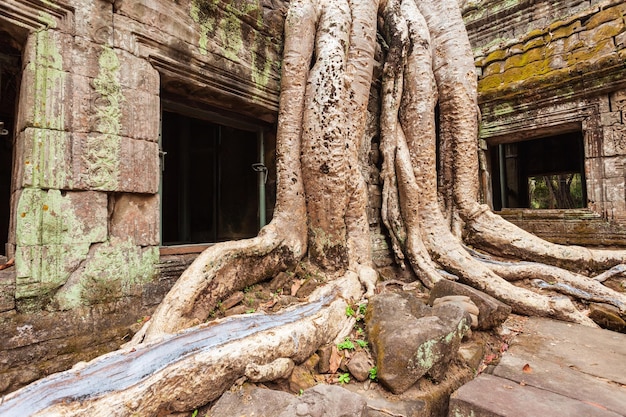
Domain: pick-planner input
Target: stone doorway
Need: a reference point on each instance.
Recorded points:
(11, 44)
(211, 174)
(544, 173)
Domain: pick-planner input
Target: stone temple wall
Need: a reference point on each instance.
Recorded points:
(85, 208)
(547, 67)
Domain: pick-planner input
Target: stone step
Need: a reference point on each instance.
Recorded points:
(493, 396)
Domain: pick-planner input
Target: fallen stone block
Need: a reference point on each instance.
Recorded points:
(410, 339)
(492, 312)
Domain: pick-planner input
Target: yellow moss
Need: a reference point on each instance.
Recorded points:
(495, 68)
(535, 33)
(523, 59)
(564, 31)
(497, 55)
(612, 13)
(491, 82)
(592, 54)
(606, 31)
(534, 43)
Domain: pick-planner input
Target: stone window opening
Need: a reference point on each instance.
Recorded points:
(10, 79)
(213, 181)
(543, 173)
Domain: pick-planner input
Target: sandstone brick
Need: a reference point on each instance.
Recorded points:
(85, 57)
(491, 69)
(139, 166)
(93, 20)
(137, 73)
(605, 31)
(618, 100)
(7, 290)
(74, 217)
(620, 41)
(614, 189)
(140, 115)
(610, 118)
(614, 142)
(45, 96)
(45, 158)
(563, 31)
(96, 161)
(611, 14)
(613, 167)
(49, 48)
(82, 103)
(135, 217)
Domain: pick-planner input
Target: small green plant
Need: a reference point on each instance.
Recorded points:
(344, 378)
(346, 344)
(350, 311)
(362, 308)
(250, 311)
(359, 331)
(300, 392)
(247, 290)
(374, 373)
(195, 413)
(361, 343)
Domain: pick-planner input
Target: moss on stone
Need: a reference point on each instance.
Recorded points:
(114, 269)
(615, 13)
(102, 155)
(46, 70)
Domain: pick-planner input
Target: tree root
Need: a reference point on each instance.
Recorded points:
(182, 372)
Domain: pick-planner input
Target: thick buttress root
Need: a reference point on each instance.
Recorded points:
(438, 70)
(430, 214)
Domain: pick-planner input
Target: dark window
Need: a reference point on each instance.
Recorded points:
(546, 173)
(210, 191)
(10, 75)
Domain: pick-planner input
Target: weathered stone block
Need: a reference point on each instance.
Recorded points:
(492, 312)
(610, 118)
(605, 31)
(85, 55)
(135, 217)
(614, 167)
(614, 142)
(96, 161)
(7, 290)
(49, 48)
(410, 339)
(137, 73)
(620, 41)
(608, 15)
(45, 96)
(139, 166)
(44, 159)
(618, 99)
(74, 217)
(140, 115)
(112, 270)
(41, 269)
(93, 20)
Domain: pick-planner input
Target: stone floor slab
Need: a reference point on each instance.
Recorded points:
(492, 396)
(531, 370)
(597, 352)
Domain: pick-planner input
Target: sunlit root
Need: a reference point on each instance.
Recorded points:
(214, 275)
(561, 280)
(493, 234)
(187, 370)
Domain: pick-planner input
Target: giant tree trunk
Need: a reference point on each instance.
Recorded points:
(320, 217)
